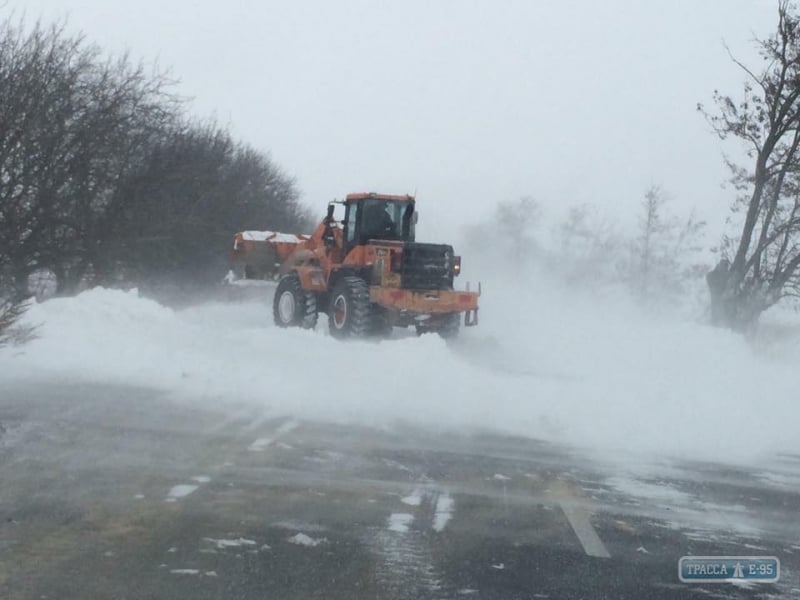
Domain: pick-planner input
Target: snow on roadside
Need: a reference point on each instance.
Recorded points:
(543, 363)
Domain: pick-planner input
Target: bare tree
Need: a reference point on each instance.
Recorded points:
(515, 222)
(11, 331)
(663, 256)
(178, 210)
(70, 125)
(590, 251)
(103, 178)
(762, 265)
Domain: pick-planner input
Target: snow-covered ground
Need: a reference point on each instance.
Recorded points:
(581, 370)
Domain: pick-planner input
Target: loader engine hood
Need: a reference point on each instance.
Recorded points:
(427, 266)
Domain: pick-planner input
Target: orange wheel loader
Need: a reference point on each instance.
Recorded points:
(365, 271)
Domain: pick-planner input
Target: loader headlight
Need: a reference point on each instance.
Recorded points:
(456, 265)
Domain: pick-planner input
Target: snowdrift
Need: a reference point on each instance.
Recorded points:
(543, 363)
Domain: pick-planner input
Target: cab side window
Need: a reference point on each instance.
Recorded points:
(350, 223)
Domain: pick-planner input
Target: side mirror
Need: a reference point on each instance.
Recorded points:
(330, 212)
(415, 217)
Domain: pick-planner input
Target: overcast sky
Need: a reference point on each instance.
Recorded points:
(470, 103)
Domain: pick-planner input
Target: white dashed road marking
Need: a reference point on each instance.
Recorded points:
(443, 512)
(414, 498)
(399, 522)
(578, 518)
(262, 443)
(573, 503)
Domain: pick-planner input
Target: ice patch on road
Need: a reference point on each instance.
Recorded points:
(755, 547)
(399, 522)
(297, 525)
(652, 492)
(396, 465)
(201, 478)
(698, 519)
(185, 571)
(301, 539)
(260, 444)
(180, 491)
(784, 481)
(221, 544)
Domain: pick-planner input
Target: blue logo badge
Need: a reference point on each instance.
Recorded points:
(708, 569)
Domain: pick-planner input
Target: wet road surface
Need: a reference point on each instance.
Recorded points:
(121, 493)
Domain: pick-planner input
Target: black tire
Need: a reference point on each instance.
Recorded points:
(380, 327)
(293, 306)
(450, 327)
(447, 326)
(350, 311)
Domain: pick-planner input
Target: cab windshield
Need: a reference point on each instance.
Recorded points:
(386, 220)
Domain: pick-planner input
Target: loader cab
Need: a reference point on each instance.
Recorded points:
(378, 217)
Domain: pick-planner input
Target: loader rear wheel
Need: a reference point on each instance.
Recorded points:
(350, 312)
(293, 306)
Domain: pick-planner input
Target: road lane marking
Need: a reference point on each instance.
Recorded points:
(574, 505)
(262, 443)
(258, 421)
(414, 498)
(443, 512)
(400, 522)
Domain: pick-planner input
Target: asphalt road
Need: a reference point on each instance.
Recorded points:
(121, 493)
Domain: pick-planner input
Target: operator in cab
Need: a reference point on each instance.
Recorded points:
(377, 222)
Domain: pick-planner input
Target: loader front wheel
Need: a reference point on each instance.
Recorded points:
(350, 310)
(293, 306)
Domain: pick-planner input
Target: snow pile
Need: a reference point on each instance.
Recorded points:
(543, 363)
(273, 236)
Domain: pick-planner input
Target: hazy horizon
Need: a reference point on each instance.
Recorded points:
(467, 104)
